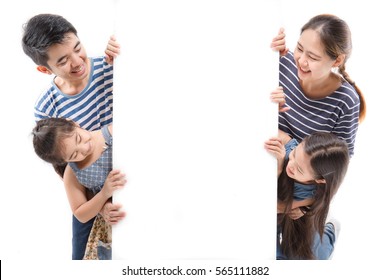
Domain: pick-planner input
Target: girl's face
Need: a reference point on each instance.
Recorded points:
(69, 59)
(78, 146)
(298, 167)
(312, 62)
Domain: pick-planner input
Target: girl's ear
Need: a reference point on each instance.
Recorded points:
(320, 181)
(44, 69)
(339, 60)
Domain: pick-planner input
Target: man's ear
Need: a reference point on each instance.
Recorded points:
(44, 69)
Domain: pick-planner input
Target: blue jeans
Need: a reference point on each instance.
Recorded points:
(104, 251)
(80, 234)
(321, 250)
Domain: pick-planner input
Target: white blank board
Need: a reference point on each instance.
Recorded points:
(191, 114)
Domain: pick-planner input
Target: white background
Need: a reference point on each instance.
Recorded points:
(36, 219)
(191, 100)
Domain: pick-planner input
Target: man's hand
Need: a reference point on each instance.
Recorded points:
(113, 50)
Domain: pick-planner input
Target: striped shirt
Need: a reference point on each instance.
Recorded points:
(91, 108)
(337, 113)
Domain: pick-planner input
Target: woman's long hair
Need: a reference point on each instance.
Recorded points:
(329, 160)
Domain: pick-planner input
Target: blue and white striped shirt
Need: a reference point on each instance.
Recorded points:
(91, 108)
(337, 113)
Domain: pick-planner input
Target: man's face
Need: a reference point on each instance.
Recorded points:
(68, 60)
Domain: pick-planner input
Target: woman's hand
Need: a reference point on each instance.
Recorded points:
(279, 43)
(278, 96)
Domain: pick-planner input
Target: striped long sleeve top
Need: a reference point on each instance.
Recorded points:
(337, 113)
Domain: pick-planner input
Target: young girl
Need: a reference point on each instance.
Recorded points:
(309, 175)
(89, 157)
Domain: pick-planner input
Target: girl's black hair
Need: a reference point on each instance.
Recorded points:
(329, 159)
(47, 140)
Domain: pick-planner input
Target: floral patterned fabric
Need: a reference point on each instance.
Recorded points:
(99, 241)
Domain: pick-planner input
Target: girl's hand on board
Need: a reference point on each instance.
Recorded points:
(112, 213)
(276, 148)
(115, 180)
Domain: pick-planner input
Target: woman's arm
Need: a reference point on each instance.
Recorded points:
(279, 43)
(284, 137)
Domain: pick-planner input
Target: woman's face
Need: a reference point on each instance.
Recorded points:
(311, 59)
(78, 146)
(298, 167)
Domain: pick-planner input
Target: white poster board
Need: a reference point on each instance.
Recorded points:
(191, 114)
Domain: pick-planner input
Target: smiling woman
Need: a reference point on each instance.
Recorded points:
(313, 66)
(319, 93)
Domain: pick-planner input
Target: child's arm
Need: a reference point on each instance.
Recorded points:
(297, 213)
(276, 147)
(85, 209)
(112, 213)
(295, 204)
(113, 49)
